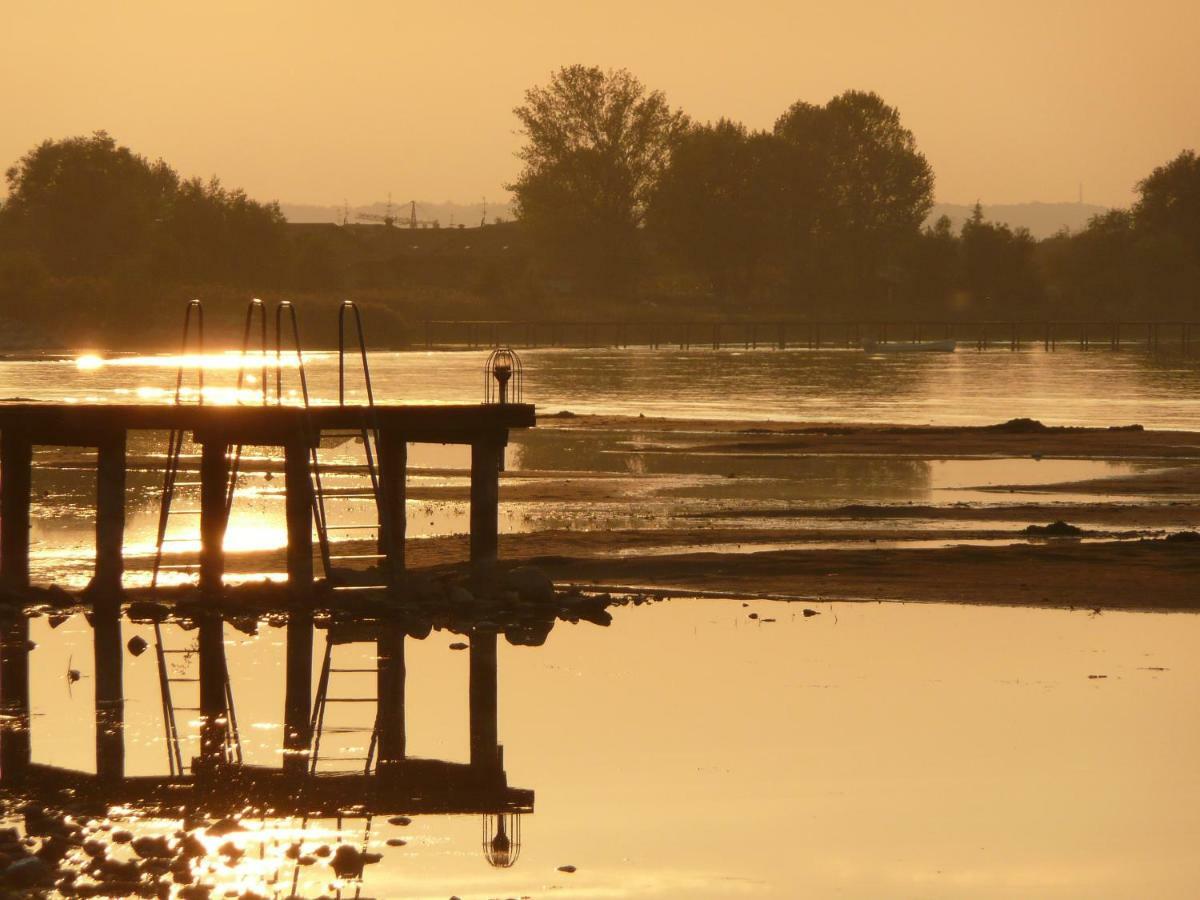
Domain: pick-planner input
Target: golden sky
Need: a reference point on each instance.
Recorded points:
(315, 102)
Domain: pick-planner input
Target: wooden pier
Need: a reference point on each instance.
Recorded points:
(484, 427)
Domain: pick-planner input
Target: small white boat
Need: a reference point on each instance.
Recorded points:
(909, 346)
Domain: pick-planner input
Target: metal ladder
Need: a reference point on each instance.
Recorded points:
(233, 740)
(170, 482)
(368, 434)
(176, 437)
(318, 727)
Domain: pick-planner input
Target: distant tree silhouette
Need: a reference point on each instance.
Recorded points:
(596, 143)
(999, 270)
(87, 206)
(858, 196)
(713, 205)
(1140, 262)
(83, 204)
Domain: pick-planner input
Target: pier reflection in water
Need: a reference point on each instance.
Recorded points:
(874, 750)
(307, 817)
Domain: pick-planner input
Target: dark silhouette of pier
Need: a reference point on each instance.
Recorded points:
(217, 781)
(217, 429)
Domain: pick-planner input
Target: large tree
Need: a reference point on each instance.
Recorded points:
(713, 205)
(87, 206)
(857, 194)
(596, 143)
(83, 203)
(1170, 201)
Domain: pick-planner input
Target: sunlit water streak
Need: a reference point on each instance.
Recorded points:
(1069, 387)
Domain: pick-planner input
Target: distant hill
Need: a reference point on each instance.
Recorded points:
(1042, 219)
(446, 214)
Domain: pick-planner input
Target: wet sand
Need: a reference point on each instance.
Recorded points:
(963, 552)
(1128, 574)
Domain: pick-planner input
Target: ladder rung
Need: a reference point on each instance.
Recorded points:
(190, 540)
(345, 729)
(360, 556)
(187, 708)
(192, 650)
(349, 495)
(183, 512)
(173, 680)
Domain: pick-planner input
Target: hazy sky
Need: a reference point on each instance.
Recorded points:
(316, 102)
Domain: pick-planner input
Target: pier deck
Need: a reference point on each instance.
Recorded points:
(295, 429)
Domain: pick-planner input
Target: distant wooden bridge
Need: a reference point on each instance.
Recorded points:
(1154, 336)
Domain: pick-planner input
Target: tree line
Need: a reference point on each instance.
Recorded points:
(823, 215)
(626, 208)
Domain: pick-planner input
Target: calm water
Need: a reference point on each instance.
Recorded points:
(688, 751)
(1069, 387)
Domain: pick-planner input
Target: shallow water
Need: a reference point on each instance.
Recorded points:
(1068, 387)
(872, 750)
(656, 490)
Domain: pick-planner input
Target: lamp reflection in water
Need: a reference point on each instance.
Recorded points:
(502, 838)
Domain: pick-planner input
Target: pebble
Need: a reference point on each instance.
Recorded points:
(570, 870)
(26, 872)
(400, 820)
(458, 645)
(152, 848)
(223, 827)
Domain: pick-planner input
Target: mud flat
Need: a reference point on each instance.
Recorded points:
(1017, 437)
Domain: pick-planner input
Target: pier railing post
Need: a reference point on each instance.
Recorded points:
(393, 476)
(486, 456)
(214, 476)
(15, 746)
(214, 719)
(297, 691)
(298, 503)
(16, 471)
(482, 688)
(389, 648)
(110, 516)
(110, 695)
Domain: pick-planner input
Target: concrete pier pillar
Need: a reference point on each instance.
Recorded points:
(297, 714)
(389, 650)
(214, 478)
(483, 691)
(16, 471)
(393, 475)
(486, 457)
(298, 503)
(110, 695)
(15, 747)
(110, 515)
